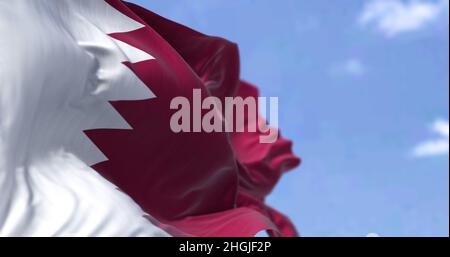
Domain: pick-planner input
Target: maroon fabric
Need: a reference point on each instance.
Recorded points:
(192, 184)
(262, 165)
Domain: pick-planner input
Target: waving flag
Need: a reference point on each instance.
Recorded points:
(86, 146)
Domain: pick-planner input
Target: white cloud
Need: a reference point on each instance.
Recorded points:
(353, 67)
(393, 17)
(438, 146)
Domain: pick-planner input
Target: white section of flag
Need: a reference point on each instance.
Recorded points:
(59, 68)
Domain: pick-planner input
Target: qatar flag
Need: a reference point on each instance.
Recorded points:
(86, 147)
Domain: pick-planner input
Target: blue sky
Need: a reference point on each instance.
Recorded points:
(363, 89)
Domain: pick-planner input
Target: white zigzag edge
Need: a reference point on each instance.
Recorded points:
(116, 81)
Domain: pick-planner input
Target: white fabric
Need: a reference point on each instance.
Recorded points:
(58, 69)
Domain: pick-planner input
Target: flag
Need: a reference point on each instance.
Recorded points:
(86, 146)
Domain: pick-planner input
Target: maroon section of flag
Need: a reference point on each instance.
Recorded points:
(197, 184)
